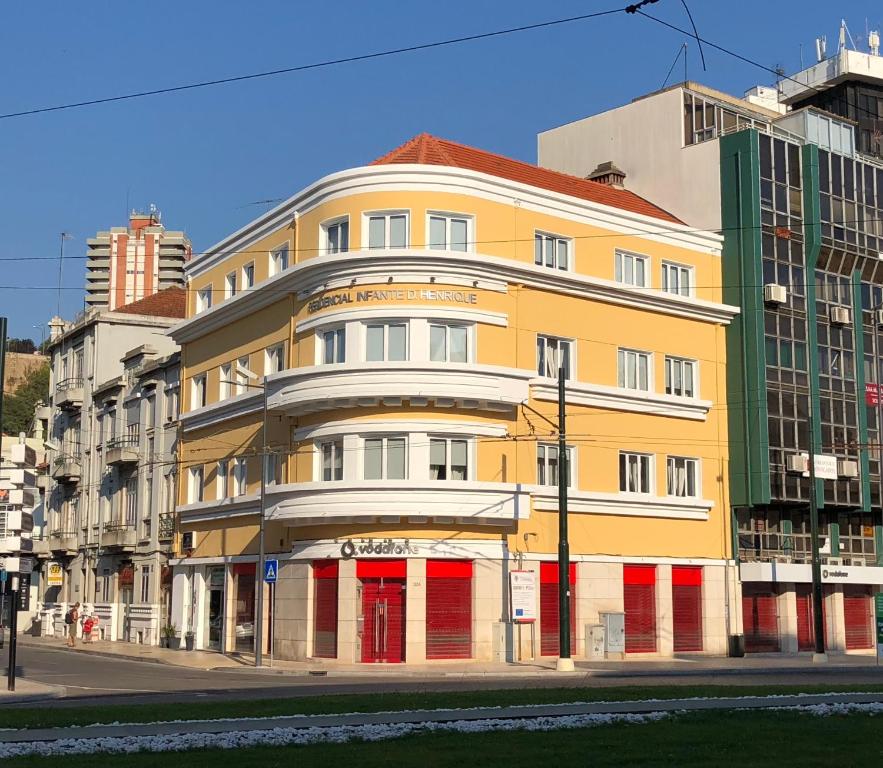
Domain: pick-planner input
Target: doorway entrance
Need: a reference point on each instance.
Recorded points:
(383, 610)
(215, 608)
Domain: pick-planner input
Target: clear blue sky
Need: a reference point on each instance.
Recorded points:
(202, 156)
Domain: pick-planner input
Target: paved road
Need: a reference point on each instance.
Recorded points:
(97, 679)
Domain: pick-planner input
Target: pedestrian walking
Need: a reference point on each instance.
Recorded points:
(70, 620)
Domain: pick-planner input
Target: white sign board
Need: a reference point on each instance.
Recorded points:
(825, 466)
(54, 575)
(523, 596)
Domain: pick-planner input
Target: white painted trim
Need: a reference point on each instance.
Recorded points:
(627, 504)
(420, 178)
(801, 573)
(626, 559)
(389, 426)
(448, 548)
(221, 411)
(232, 506)
(620, 399)
(408, 311)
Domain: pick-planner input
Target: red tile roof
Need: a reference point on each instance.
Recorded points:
(426, 149)
(171, 302)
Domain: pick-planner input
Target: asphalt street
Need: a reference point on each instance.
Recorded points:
(89, 679)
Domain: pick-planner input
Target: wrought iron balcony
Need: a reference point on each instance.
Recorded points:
(119, 536)
(69, 392)
(123, 449)
(166, 528)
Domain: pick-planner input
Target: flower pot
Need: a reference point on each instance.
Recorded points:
(174, 643)
(163, 642)
(189, 640)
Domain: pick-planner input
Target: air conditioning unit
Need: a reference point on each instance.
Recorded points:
(878, 317)
(857, 561)
(835, 561)
(187, 543)
(797, 462)
(775, 294)
(847, 468)
(840, 315)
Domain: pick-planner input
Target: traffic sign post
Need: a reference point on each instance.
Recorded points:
(271, 573)
(271, 570)
(878, 615)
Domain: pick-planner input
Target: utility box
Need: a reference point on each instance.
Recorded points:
(594, 641)
(614, 634)
(501, 640)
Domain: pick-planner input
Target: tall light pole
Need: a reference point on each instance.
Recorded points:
(64, 236)
(565, 662)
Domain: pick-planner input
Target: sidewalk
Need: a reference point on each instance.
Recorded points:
(27, 690)
(676, 667)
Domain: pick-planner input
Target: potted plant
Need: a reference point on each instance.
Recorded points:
(189, 640)
(168, 632)
(174, 640)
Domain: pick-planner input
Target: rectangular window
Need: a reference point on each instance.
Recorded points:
(680, 377)
(230, 286)
(248, 276)
(145, 583)
(551, 251)
(677, 279)
(385, 458)
(632, 269)
(197, 391)
(131, 494)
(448, 233)
(448, 459)
(635, 473)
(633, 369)
(337, 236)
(386, 341)
(274, 469)
(275, 361)
(448, 343)
(223, 479)
(682, 476)
(334, 346)
(332, 460)
(225, 385)
(203, 299)
(279, 260)
(172, 404)
(240, 477)
(239, 375)
(548, 465)
(195, 486)
(388, 230)
(551, 350)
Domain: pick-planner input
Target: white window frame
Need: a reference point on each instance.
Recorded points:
(543, 455)
(240, 378)
(274, 468)
(449, 218)
(623, 267)
(638, 458)
(447, 440)
(447, 327)
(629, 361)
(387, 215)
(337, 346)
(276, 265)
(145, 583)
(686, 365)
(230, 285)
(198, 391)
(386, 324)
(326, 228)
(246, 283)
(277, 351)
(680, 272)
(334, 447)
(222, 479)
(225, 387)
(690, 464)
(384, 455)
(543, 341)
(203, 299)
(195, 484)
(541, 257)
(240, 477)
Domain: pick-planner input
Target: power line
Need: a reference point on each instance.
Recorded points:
(314, 65)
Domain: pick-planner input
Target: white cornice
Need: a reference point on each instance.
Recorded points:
(444, 268)
(627, 504)
(418, 178)
(621, 399)
(221, 411)
(411, 310)
(437, 426)
(221, 508)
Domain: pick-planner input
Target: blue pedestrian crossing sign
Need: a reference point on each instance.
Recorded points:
(271, 571)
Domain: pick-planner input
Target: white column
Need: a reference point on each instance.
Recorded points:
(786, 604)
(664, 612)
(415, 611)
(714, 610)
(348, 609)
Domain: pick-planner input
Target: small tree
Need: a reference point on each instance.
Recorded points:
(18, 408)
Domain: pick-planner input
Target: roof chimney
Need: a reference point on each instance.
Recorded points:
(56, 328)
(607, 173)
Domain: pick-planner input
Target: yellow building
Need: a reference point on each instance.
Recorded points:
(402, 322)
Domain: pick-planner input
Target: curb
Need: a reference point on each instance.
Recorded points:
(121, 656)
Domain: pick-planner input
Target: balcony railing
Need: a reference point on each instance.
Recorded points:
(129, 440)
(72, 382)
(166, 528)
(119, 535)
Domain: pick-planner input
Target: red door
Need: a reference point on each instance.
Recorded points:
(686, 598)
(806, 631)
(760, 619)
(857, 618)
(448, 609)
(549, 629)
(639, 602)
(383, 610)
(325, 609)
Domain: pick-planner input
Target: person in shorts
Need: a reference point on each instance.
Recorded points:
(73, 616)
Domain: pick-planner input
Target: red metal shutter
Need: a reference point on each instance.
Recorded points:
(805, 627)
(448, 609)
(686, 597)
(549, 645)
(760, 619)
(639, 602)
(857, 618)
(325, 609)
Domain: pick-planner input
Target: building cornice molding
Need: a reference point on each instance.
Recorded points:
(545, 498)
(409, 426)
(500, 319)
(221, 411)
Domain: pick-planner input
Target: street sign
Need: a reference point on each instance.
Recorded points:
(523, 596)
(271, 571)
(54, 575)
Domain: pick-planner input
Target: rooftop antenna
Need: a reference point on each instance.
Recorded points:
(874, 42)
(821, 48)
(844, 33)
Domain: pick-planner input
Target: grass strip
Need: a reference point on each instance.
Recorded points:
(49, 717)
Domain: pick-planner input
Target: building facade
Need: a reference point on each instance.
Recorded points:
(801, 212)
(402, 323)
(127, 264)
(114, 392)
